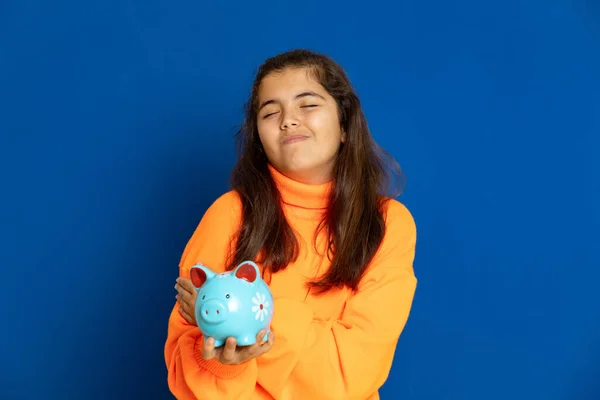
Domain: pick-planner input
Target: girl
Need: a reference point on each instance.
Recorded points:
(309, 205)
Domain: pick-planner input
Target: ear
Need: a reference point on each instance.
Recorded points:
(247, 270)
(343, 139)
(199, 274)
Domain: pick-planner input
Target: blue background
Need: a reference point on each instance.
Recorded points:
(117, 122)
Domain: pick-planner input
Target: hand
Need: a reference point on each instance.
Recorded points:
(230, 353)
(186, 296)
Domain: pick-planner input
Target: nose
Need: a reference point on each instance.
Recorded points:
(213, 312)
(289, 121)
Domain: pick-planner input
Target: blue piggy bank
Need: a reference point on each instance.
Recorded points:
(235, 303)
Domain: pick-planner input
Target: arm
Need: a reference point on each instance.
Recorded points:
(350, 357)
(189, 375)
(192, 377)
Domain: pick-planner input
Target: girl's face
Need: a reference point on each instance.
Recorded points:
(298, 125)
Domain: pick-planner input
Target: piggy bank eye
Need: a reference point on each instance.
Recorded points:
(227, 296)
(203, 297)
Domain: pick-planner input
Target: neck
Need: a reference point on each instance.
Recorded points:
(309, 193)
(309, 178)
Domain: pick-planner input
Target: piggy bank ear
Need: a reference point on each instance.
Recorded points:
(247, 270)
(199, 274)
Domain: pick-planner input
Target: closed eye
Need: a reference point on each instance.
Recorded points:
(268, 115)
(305, 106)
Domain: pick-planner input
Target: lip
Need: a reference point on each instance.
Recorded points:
(294, 139)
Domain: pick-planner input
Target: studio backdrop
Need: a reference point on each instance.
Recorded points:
(117, 121)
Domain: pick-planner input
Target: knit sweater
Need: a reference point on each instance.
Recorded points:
(338, 345)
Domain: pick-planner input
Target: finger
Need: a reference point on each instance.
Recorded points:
(228, 354)
(186, 299)
(189, 311)
(181, 289)
(253, 350)
(186, 316)
(268, 344)
(183, 313)
(260, 337)
(208, 348)
(185, 285)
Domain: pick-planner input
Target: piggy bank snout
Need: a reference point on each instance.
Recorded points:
(213, 312)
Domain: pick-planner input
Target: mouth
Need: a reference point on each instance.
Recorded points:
(294, 139)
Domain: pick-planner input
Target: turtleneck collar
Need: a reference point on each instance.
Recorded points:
(301, 194)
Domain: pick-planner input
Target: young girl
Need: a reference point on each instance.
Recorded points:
(309, 205)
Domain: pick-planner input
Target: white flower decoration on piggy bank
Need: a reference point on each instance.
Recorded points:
(261, 306)
(235, 303)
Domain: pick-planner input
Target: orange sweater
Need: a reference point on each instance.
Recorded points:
(333, 346)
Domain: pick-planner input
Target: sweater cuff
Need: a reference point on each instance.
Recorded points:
(222, 371)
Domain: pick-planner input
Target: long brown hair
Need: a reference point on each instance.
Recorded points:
(354, 220)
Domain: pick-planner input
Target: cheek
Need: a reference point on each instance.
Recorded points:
(326, 127)
(267, 135)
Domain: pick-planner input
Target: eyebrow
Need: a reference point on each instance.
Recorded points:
(298, 96)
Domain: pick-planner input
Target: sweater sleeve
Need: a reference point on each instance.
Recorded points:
(190, 377)
(349, 357)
